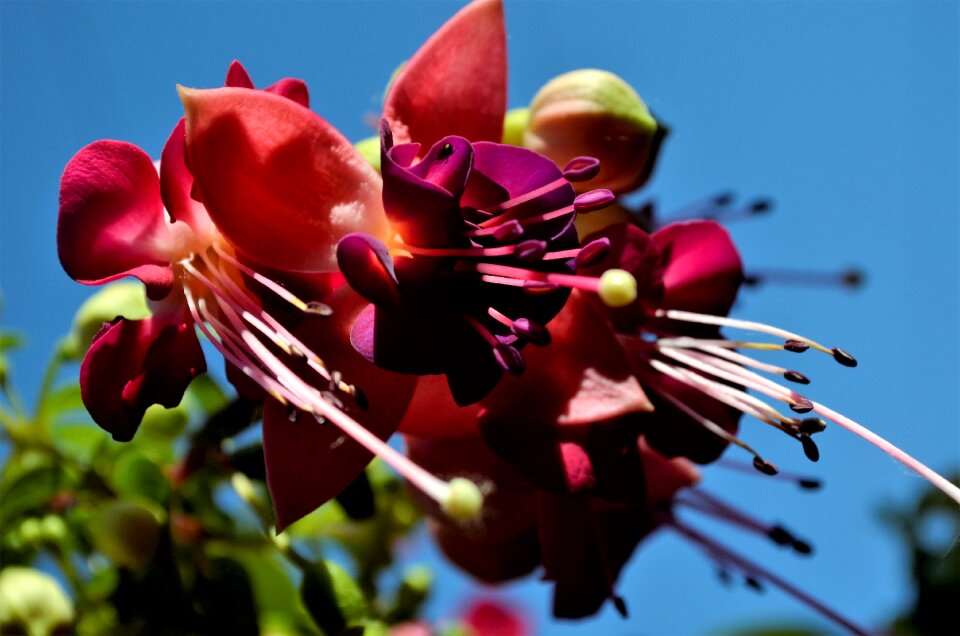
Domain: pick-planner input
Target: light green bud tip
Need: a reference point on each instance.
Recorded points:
(33, 602)
(514, 125)
(124, 298)
(618, 288)
(369, 149)
(598, 91)
(464, 502)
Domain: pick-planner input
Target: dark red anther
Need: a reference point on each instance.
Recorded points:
(801, 405)
(796, 376)
(764, 466)
(843, 357)
(796, 346)
(810, 448)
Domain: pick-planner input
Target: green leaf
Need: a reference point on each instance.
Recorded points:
(134, 475)
(65, 399)
(79, 441)
(28, 492)
(205, 393)
(10, 340)
(332, 597)
(273, 589)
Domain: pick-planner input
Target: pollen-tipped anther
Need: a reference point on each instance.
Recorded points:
(810, 448)
(843, 357)
(801, 405)
(796, 376)
(532, 331)
(509, 359)
(508, 232)
(463, 501)
(581, 169)
(796, 346)
(593, 200)
(593, 252)
(811, 425)
(765, 467)
(530, 250)
(618, 288)
(317, 308)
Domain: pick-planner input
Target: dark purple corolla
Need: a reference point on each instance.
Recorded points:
(482, 257)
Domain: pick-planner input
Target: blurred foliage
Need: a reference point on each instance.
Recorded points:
(172, 533)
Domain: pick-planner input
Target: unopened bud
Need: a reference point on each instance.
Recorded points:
(595, 113)
(125, 298)
(127, 533)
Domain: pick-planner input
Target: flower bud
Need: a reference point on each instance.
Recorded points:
(124, 298)
(32, 602)
(597, 114)
(127, 533)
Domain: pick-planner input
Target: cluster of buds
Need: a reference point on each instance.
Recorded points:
(355, 300)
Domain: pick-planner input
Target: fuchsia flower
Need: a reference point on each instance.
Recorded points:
(279, 186)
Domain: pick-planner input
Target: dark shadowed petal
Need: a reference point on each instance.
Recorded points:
(633, 250)
(309, 463)
(176, 184)
(456, 84)
(581, 378)
(703, 271)
(421, 202)
(111, 221)
(368, 267)
(433, 414)
(664, 476)
(133, 364)
(584, 546)
(281, 184)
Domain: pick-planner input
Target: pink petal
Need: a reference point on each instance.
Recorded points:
(291, 88)
(112, 222)
(281, 184)
(176, 184)
(493, 618)
(456, 84)
(309, 463)
(703, 271)
(133, 364)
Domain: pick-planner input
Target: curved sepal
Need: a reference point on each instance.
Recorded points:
(111, 222)
(280, 183)
(456, 84)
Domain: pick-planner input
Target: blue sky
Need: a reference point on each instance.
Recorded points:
(844, 112)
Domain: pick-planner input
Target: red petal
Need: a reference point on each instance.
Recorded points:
(433, 414)
(492, 618)
(176, 183)
(237, 76)
(291, 88)
(133, 364)
(703, 271)
(111, 221)
(663, 476)
(281, 184)
(309, 463)
(456, 84)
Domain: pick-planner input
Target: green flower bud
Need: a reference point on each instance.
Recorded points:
(369, 149)
(595, 113)
(124, 298)
(127, 533)
(33, 602)
(515, 125)
(31, 532)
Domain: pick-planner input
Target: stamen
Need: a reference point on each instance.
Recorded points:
(506, 356)
(706, 319)
(273, 286)
(581, 169)
(805, 482)
(851, 278)
(754, 570)
(704, 422)
(525, 197)
(616, 287)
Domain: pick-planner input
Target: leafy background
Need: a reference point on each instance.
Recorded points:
(844, 112)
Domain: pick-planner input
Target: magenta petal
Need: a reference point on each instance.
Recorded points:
(112, 222)
(237, 76)
(133, 364)
(176, 183)
(367, 266)
(703, 271)
(291, 88)
(456, 84)
(309, 463)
